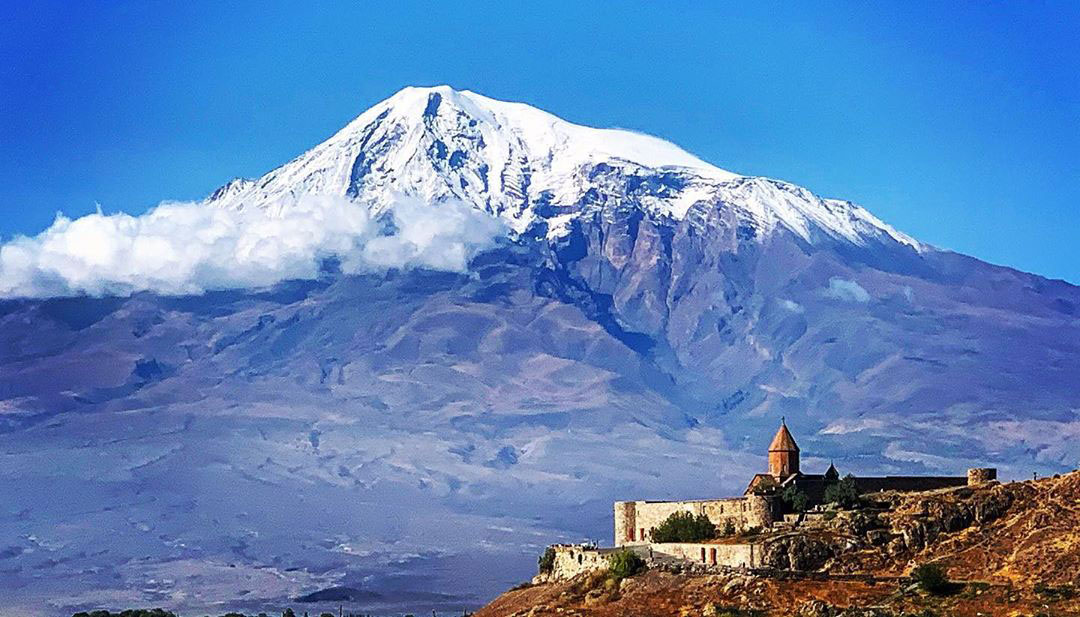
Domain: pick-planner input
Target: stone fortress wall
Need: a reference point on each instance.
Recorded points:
(574, 559)
(981, 475)
(635, 520)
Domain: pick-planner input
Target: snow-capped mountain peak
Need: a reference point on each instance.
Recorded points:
(527, 166)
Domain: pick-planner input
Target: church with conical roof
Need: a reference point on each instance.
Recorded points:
(767, 498)
(783, 453)
(784, 472)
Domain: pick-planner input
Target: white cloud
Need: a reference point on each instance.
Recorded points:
(188, 248)
(843, 289)
(844, 427)
(896, 452)
(792, 306)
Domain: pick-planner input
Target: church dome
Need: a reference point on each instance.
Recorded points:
(783, 442)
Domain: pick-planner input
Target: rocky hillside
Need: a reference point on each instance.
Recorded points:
(1011, 549)
(1022, 533)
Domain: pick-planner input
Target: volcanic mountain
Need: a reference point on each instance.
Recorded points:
(533, 169)
(418, 435)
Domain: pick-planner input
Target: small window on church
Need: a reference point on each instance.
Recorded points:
(642, 534)
(703, 554)
(631, 534)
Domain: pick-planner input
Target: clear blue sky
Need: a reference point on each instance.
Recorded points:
(959, 124)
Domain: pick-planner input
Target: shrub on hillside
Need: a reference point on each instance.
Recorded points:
(624, 563)
(931, 578)
(843, 493)
(684, 527)
(546, 562)
(1067, 592)
(731, 611)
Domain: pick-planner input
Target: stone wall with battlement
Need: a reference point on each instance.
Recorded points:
(981, 475)
(574, 559)
(635, 520)
(571, 560)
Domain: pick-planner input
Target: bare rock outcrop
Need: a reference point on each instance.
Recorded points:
(798, 552)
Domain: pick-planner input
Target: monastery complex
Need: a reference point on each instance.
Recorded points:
(760, 513)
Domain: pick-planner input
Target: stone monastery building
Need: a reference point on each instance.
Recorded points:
(761, 508)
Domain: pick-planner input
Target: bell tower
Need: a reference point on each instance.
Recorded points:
(783, 454)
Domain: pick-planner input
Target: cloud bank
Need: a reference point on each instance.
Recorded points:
(843, 289)
(189, 248)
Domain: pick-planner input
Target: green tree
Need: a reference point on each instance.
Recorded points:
(288, 613)
(684, 527)
(546, 562)
(931, 578)
(795, 498)
(844, 493)
(624, 563)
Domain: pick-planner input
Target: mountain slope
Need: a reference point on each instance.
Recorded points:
(409, 431)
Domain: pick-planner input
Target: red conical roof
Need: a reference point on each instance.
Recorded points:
(783, 442)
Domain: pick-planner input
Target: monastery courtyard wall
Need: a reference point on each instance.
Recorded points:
(635, 520)
(710, 554)
(573, 559)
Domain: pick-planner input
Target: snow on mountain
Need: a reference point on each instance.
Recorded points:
(530, 167)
